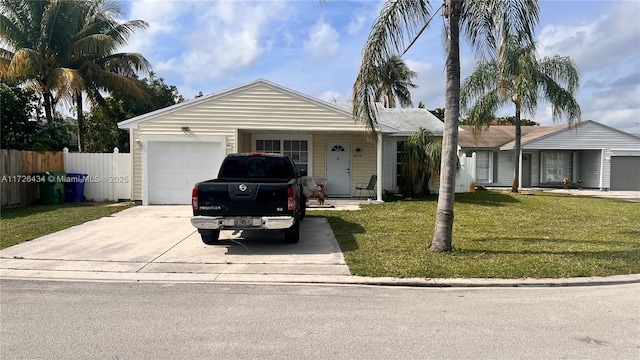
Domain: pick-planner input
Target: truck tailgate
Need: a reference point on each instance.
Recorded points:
(242, 199)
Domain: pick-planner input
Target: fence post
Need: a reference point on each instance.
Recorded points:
(473, 170)
(116, 169)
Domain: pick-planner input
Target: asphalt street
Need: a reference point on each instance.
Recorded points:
(98, 320)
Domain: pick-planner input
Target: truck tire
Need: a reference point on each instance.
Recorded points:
(292, 235)
(303, 210)
(210, 237)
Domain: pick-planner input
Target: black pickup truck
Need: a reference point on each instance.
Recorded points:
(253, 191)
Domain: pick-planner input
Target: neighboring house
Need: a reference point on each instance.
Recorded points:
(175, 147)
(602, 157)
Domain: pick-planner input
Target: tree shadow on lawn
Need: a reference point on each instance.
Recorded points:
(486, 198)
(345, 232)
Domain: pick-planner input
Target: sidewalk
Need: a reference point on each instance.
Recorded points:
(633, 196)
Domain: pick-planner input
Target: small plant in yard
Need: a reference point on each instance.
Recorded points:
(496, 235)
(29, 222)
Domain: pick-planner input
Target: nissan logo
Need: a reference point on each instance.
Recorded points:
(242, 187)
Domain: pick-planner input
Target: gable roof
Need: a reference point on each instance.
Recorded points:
(503, 136)
(538, 133)
(132, 123)
(397, 122)
(494, 136)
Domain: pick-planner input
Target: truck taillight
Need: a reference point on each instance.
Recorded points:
(194, 198)
(291, 201)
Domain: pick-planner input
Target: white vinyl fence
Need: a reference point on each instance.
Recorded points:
(108, 174)
(466, 176)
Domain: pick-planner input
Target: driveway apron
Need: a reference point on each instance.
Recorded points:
(158, 243)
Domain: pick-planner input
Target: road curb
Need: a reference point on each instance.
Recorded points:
(53, 275)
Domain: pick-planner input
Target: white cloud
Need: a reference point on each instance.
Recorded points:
(202, 40)
(162, 17)
(430, 80)
(356, 24)
(322, 40)
(600, 45)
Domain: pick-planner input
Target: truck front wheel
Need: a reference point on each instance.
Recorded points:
(292, 235)
(209, 237)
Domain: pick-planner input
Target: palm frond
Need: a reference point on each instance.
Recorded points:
(25, 63)
(397, 19)
(489, 23)
(482, 80)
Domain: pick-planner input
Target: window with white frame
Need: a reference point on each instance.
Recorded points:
(557, 165)
(297, 150)
(484, 166)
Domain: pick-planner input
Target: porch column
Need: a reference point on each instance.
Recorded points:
(520, 169)
(379, 169)
(601, 180)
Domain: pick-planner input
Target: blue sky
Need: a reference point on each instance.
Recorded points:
(316, 48)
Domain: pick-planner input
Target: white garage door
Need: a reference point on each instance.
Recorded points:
(174, 167)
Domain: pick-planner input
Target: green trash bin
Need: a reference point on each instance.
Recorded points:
(52, 187)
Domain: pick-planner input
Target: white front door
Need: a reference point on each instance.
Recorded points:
(338, 168)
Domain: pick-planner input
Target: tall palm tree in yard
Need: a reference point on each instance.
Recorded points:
(32, 34)
(65, 48)
(486, 23)
(98, 34)
(517, 76)
(394, 82)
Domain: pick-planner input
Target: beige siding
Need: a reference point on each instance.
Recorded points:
(136, 160)
(363, 164)
(253, 109)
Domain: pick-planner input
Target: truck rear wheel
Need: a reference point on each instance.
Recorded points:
(209, 237)
(292, 235)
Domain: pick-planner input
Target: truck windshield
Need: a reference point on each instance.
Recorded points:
(256, 167)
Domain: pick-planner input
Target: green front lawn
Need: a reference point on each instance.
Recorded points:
(496, 235)
(29, 222)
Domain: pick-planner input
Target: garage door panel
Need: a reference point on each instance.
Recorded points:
(625, 173)
(174, 167)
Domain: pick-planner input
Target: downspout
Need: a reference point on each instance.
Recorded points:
(132, 182)
(601, 181)
(379, 169)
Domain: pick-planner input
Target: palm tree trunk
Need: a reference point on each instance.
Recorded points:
(443, 234)
(48, 106)
(81, 129)
(517, 150)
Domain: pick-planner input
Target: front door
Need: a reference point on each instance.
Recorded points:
(338, 168)
(526, 170)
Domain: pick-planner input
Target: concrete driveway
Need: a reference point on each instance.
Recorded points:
(157, 243)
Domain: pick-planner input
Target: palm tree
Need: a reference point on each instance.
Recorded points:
(394, 81)
(32, 34)
(485, 23)
(64, 48)
(420, 159)
(518, 77)
(98, 34)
